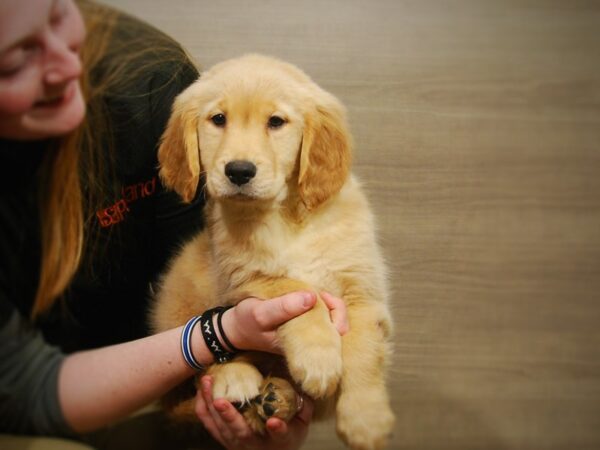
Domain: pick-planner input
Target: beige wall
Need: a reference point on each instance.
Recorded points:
(477, 126)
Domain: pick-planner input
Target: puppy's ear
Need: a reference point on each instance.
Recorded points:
(179, 151)
(326, 155)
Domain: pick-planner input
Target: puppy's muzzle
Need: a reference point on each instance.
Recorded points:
(240, 172)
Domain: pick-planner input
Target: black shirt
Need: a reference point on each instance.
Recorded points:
(138, 228)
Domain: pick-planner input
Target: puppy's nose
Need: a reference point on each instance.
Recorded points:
(240, 172)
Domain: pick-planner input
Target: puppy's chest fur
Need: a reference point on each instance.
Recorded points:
(269, 245)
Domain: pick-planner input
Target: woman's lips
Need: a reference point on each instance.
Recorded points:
(55, 100)
(49, 102)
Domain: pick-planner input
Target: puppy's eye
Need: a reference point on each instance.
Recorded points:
(276, 122)
(219, 120)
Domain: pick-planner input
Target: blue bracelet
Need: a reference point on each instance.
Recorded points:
(186, 343)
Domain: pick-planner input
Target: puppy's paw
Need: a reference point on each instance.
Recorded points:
(238, 382)
(364, 419)
(277, 398)
(316, 366)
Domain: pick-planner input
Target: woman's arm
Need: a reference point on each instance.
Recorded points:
(98, 387)
(28, 377)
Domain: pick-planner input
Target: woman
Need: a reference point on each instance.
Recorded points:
(87, 229)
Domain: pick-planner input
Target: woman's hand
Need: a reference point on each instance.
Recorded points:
(252, 323)
(229, 427)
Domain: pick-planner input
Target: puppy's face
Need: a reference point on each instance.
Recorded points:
(250, 133)
(256, 126)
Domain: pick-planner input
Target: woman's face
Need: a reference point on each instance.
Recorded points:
(40, 96)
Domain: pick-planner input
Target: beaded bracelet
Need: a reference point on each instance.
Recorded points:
(186, 343)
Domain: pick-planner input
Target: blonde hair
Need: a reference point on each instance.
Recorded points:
(68, 203)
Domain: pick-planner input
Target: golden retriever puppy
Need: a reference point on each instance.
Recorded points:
(283, 214)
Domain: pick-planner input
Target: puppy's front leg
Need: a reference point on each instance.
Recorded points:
(310, 342)
(364, 416)
(313, 349)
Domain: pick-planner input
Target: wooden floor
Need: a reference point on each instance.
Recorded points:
(477, 128)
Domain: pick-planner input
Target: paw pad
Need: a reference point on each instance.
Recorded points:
(277, 398)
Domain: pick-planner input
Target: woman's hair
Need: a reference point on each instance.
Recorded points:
(62, 207)
(68, 201)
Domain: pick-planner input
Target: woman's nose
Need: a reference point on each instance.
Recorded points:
(63, 62)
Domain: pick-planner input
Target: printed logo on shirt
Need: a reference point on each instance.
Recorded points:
(116, 213)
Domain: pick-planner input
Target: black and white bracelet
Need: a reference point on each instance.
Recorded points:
(216, 347)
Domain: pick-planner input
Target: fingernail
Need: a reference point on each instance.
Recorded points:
(220, 406)
(274, 425)
(308, 299)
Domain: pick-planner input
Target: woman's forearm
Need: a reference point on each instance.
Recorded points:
(98, 387)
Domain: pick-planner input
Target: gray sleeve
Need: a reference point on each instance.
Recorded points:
(29, 369)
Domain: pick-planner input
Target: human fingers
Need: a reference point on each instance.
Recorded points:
(306, 412)
(206, 417)
(282, 434)
(252, 323)
(337, 312)
(231, 423)
(277, 429)
(233, 420)
(274, 312)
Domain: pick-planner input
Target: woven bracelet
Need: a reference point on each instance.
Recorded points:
(211, 338)
(186, 343)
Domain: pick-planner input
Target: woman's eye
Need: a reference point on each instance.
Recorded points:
(219, 120)
(8, 70)
(276, 122)
(14, 61)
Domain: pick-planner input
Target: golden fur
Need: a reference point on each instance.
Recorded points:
(302, 223)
